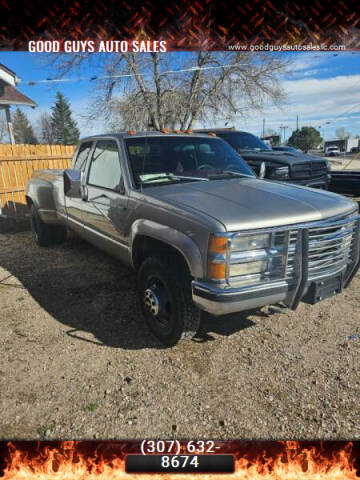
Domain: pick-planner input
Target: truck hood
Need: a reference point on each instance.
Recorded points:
(249, 203)
(287, 158)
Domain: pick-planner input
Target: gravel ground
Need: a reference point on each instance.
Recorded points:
(77, 360)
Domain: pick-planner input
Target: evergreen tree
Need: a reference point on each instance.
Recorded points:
(64, 127)
(23, 131)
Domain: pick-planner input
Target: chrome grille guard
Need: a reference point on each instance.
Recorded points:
(299, 279)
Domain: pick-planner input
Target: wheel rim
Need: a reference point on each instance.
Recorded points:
(157, 304)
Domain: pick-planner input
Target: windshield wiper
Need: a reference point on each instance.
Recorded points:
(190, 177)
(226, 173)
(159, 177)
(172, 178)
(238, 174)
(253, 149)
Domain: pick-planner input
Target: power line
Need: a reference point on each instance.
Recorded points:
(127, 75)
(346, 111)
(341, 114)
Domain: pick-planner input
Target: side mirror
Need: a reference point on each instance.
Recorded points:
(262, 170)
(72, 183)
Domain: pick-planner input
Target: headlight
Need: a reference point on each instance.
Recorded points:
(257, 266)
(280, 173)
(250, 242)
(247, 259)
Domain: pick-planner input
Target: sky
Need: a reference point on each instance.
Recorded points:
(322, 89)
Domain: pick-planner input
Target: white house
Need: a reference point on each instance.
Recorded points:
(9, 95)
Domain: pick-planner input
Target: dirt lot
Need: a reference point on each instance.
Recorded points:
(77, 361)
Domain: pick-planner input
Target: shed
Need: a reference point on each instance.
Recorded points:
(9, 95)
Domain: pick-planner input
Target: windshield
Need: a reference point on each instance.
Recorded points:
(163, 159)
(244, 141)
(285, 149)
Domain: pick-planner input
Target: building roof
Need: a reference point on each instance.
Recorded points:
(2, 67)
(8, 76)
(10, 96)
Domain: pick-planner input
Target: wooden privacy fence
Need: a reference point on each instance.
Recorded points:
(17, 164)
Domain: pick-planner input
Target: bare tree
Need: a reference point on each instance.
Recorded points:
(132, 113)
(342, 134)
(45, 129)
(178, 89)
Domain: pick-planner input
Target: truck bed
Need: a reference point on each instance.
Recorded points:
(46, 188)
(345, 181)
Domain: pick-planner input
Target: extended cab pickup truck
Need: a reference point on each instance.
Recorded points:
(202, 231)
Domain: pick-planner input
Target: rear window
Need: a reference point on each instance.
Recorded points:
(244, 141)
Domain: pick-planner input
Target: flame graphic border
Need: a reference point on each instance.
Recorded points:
(246, 453)
(187, 25)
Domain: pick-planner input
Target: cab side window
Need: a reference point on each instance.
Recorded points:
(83, 153)
(105, 171)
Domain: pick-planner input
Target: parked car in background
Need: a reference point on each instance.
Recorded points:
(285, 166)
(332, 151)
(201, 230)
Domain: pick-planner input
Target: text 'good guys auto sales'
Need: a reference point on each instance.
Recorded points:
(92, 46)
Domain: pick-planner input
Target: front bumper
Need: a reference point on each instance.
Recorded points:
(321, 182)
(222, 301)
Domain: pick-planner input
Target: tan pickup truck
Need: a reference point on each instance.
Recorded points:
(202, 231)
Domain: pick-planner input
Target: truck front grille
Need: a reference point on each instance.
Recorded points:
(291, 254)
(330, 249)
(308, 170)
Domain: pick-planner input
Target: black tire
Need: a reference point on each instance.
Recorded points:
(43, 233)
(168, 310)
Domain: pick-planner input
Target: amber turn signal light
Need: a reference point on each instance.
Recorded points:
(216, 271)
(217, 244)
(216, 267)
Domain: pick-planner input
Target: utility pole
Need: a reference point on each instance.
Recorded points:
(297, 122)
(285, 127)
(263, 127)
